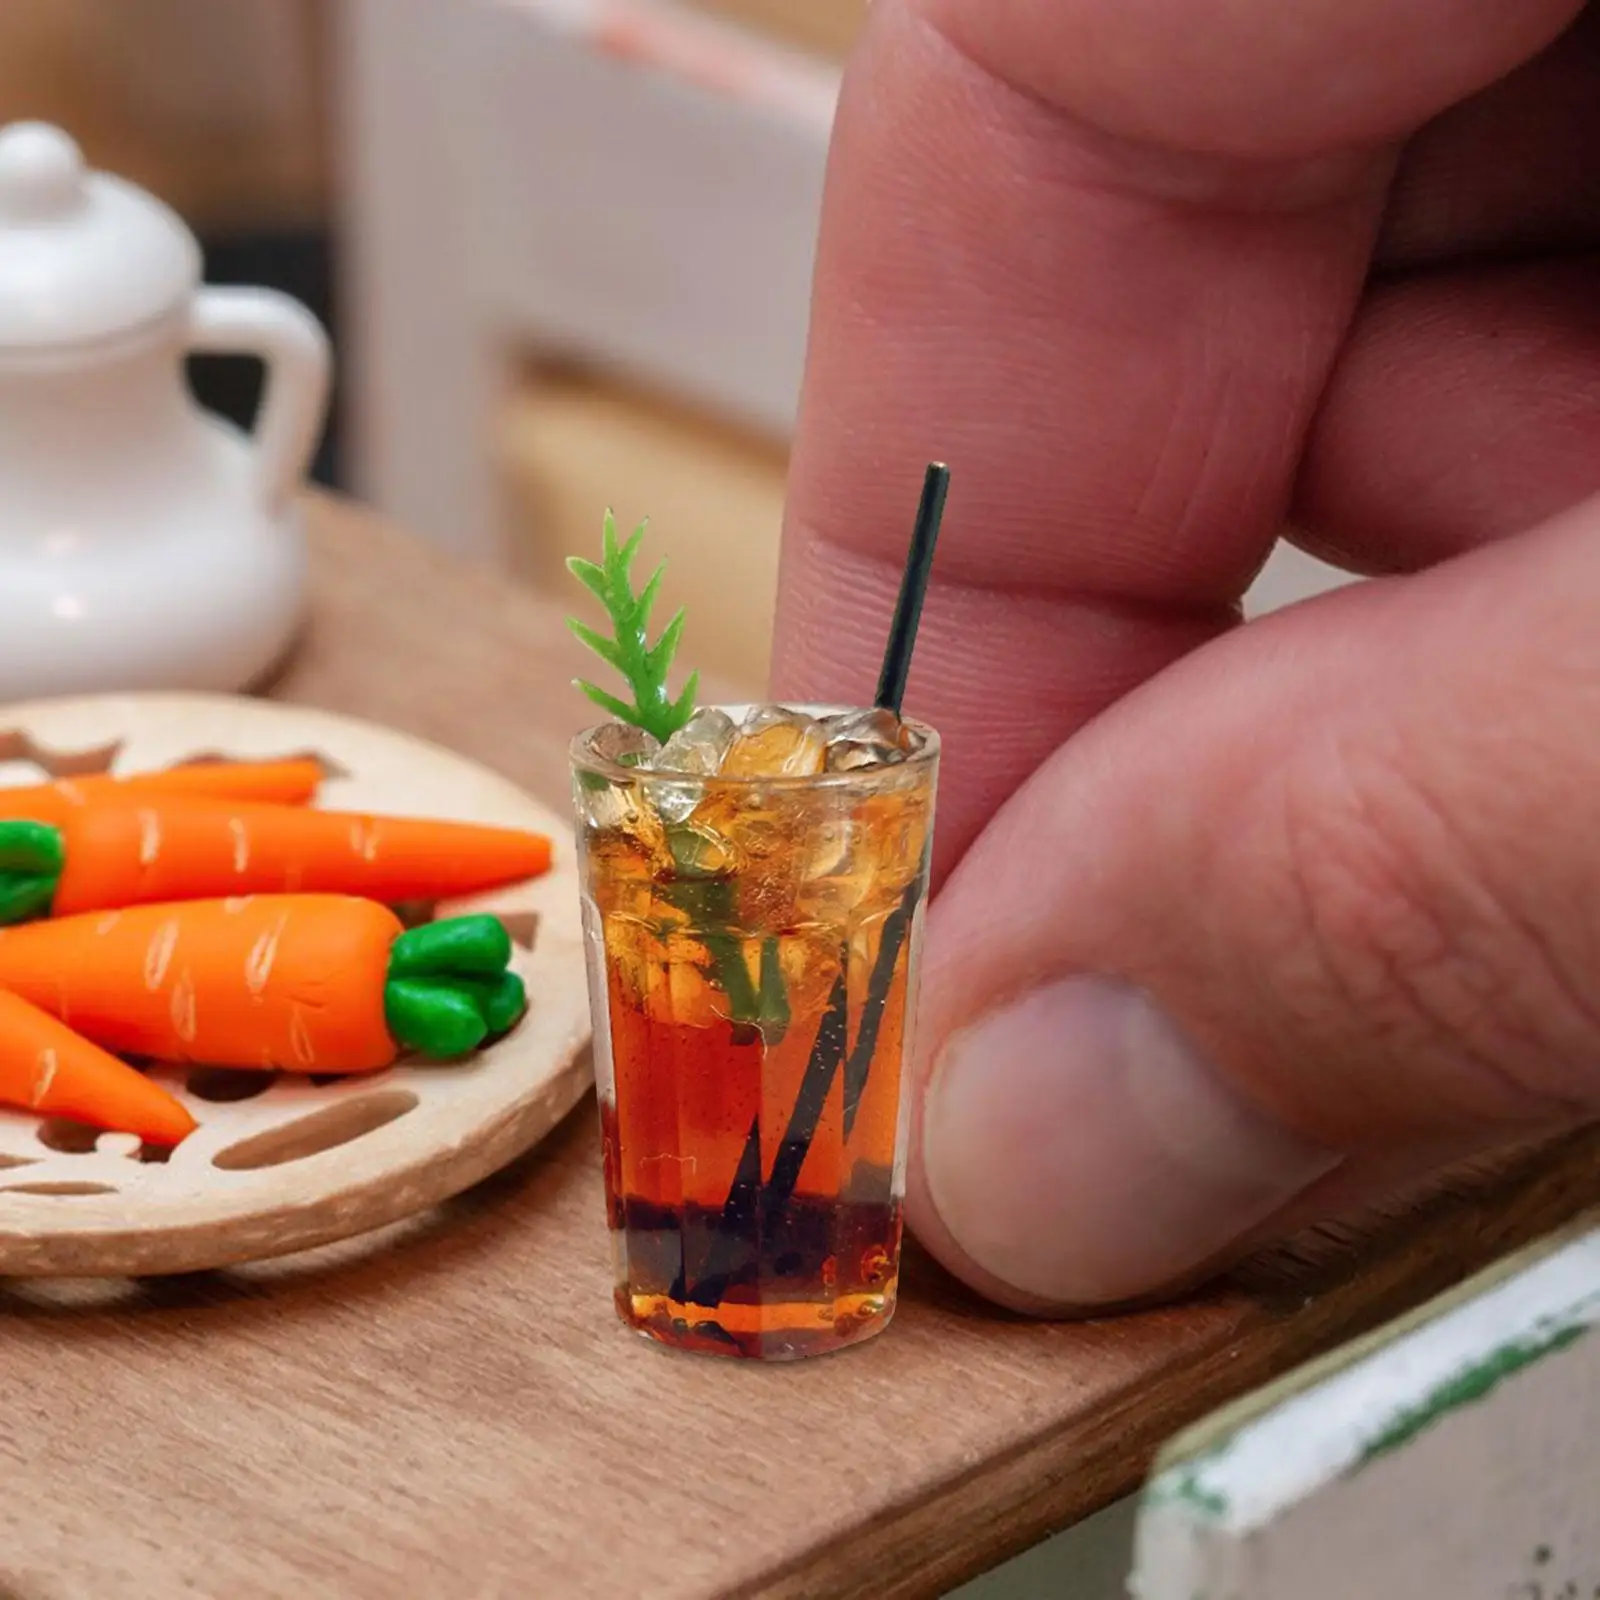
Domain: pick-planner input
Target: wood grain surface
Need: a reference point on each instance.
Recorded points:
(452, 1409)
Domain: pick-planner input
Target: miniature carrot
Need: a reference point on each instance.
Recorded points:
(303, 983)
(291, 782)
(45, 1066)
(128, 853)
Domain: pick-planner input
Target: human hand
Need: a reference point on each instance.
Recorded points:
(1235, 927)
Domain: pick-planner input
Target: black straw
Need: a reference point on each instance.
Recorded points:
(754, 1208)
(913, 589)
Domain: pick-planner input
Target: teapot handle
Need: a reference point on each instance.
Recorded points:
(295, 350)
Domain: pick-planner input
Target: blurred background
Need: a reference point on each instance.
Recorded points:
(563, 247)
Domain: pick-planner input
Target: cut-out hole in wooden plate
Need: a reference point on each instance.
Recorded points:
(69, 1137)
(222, 1085)
(319, 1131)
(56, 764)
(212, 757)
(523, 926)
(59, 1188)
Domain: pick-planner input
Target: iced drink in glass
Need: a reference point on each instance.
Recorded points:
(753, 896)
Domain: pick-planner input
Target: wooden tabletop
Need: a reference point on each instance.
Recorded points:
(452, 1408)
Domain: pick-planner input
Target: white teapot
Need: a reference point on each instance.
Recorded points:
(144, 542)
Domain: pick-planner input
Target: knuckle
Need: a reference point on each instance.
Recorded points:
(1422, 925)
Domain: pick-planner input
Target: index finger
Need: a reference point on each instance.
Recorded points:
(1116, 344)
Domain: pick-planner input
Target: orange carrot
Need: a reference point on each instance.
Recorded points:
(291, 782)
(136, 852)
(45, 1066)
(303, 983)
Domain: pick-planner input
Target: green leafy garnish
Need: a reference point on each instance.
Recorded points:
(629, 651)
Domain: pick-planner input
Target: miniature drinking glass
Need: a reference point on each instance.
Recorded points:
(752, 940)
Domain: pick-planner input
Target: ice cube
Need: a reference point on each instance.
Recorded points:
(607, 804)
(852, 755)
(770, 715)
(775, 742)
(624, 744)
(699, 851)
(760, 829)
(870, 737)
(621, 812)
(699, 745)
(673, 802)
(602, 804)
(837, 867)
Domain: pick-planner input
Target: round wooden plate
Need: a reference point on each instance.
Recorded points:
(279, 1163)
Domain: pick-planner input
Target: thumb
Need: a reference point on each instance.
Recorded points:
(1307, 911)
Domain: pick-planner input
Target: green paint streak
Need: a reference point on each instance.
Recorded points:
(1186, 1486)
(1470, 1385)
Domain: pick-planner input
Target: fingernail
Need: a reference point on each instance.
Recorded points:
(1078, 1147)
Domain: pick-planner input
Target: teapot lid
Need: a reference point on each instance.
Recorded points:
(83, 255)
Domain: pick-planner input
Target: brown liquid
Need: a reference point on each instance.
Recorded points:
(749, 1171)
(753, 962)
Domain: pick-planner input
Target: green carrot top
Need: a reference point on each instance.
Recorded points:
(643, 665)
(450, 986)
(32, 857)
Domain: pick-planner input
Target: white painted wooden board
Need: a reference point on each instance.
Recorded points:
(1454, 1455)
(619, 183)
(641, 188)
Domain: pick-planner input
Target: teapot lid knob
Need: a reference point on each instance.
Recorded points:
(41, 172)
(84, 255)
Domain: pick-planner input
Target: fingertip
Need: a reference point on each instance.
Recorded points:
(1075, 1151)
